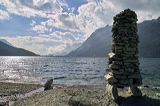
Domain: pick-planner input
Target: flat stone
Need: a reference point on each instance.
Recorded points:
(131, 49)
(125, 38)
(122, 70)
(121, 44)
(129, 70)
(118, 51)
(117, 72)
(112, 92)
(113, 66)
(110, 79)
(111, 55)
(130, 53)
(118, 47)
(126, 64)
(119, 59)
(126, 81)
(135, 91)
(137, 81)
(158, 94)
(134, 76)
(118, 62)
(120, 76)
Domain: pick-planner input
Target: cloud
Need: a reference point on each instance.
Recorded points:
(47, 7)
(32, 8)
(46, 44)
(4, 15)
(89, 16)
(145, 9)
(33, 23)
(36, 44)
(40, 29)
(66, 37)
(63, 27)
(43, 35)
(66, 21)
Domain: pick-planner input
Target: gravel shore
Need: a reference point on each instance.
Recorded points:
(10, 92)
(74, 95)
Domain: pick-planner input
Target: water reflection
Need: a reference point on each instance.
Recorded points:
(70, 70)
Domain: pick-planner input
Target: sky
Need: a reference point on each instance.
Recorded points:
(60, 26)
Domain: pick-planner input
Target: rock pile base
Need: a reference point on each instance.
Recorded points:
(123, 65)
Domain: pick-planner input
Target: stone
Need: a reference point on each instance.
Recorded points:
(146, 86)
(128, 82)
(117, 72)
(74, 103)
(2, 103)
(137, 81)
(113, 66)
(110, 79)
(120, 76)
(121, 44)
(122, 70)
(111, 55)
(134, 76)
(123, 65)
(118, 47)
(48, 84)
(126, 64)
(125, 38)
(130, 53)
(131, 49)
(112, 92)
(118, 62)
(158, 94)
(129, 70)
(135, 91)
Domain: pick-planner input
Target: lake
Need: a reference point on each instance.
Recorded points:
(70, 70)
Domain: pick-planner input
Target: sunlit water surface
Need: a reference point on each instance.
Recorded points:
(70, 70)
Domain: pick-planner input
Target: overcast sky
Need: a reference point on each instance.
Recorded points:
(59, 26)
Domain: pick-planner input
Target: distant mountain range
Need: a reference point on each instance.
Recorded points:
(99, 43)
(7, 49)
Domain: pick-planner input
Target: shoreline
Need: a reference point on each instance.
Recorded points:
(12, 91)
(17, 93)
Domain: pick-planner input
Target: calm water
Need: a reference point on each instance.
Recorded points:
(70, 70)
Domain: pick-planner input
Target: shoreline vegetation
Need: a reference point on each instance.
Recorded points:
(18, 94)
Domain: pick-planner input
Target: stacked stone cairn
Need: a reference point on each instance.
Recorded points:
(123, 65)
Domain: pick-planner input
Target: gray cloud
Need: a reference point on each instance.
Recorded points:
(64, 18)
(151, 6)
(48, 6)
(89, 17)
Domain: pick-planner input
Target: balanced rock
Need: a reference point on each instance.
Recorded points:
(48, 84)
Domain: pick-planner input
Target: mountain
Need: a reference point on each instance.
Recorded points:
(149, 32)
(99, 43)
(6, 42)
(7, 50)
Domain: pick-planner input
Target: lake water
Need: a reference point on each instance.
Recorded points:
(70, 70)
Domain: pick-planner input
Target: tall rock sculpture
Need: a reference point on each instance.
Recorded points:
(123, 65)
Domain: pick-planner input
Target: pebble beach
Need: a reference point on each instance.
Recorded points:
(72, 95)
